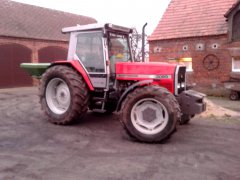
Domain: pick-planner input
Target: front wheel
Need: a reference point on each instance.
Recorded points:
(150, 114)
(63, 95)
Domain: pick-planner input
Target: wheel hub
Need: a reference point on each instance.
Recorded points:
(149, 116)
(58, 96)
(62, 94)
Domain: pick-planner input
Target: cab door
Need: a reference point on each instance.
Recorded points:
(89, 50)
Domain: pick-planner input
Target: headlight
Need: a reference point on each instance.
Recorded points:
(181, 85)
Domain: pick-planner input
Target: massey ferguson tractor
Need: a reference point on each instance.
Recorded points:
(100, 74)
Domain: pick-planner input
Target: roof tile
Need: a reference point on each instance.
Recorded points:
(192, 18)
(30, 21)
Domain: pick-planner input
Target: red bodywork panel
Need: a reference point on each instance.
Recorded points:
(162, 74)
(76, 65)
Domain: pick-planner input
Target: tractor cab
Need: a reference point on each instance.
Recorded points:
(98, 48)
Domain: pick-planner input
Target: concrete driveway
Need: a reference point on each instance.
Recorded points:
(98, 148)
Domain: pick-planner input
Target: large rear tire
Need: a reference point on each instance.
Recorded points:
(150, 114)
(64, 95)
(234, 95)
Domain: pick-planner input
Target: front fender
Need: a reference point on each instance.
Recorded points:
(130, 89)
(78, 67)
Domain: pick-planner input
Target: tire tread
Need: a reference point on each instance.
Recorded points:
(78, 89)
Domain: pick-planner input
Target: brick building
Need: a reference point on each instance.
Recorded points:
(205, 36)
(31, 34)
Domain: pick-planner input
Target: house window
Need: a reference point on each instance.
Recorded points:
(187, 62)
(236, 64)
(235, 27)
(183, 61)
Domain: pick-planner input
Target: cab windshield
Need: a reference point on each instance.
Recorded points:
(119, 50)
(119, 47)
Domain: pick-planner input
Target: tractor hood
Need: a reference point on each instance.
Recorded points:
(142, 70)
(166, 75)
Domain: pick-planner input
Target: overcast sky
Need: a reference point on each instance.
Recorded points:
(130, 13)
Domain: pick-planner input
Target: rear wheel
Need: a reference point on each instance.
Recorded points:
(63, 95)
(150, 114)
(234, 95)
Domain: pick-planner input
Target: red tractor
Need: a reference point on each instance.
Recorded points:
(101, 75)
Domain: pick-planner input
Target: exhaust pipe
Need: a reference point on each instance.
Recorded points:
(143, 42)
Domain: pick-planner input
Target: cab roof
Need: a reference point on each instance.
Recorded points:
(97, 26)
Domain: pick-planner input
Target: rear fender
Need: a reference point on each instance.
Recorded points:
(78, 67)
(130, 89)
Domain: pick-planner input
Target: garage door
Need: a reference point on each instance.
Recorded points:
(52, 53)
(11, 55)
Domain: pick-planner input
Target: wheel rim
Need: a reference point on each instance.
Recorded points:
(58, 96)
(149, 116)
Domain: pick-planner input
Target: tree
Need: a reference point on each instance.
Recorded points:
(136, 42)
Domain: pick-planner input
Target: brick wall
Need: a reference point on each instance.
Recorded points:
(198, 48)
(34, 45)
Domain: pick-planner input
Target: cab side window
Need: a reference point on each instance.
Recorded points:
(89, 51)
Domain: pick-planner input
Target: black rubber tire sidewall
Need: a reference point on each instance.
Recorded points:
(159, 94)
(79, 95)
